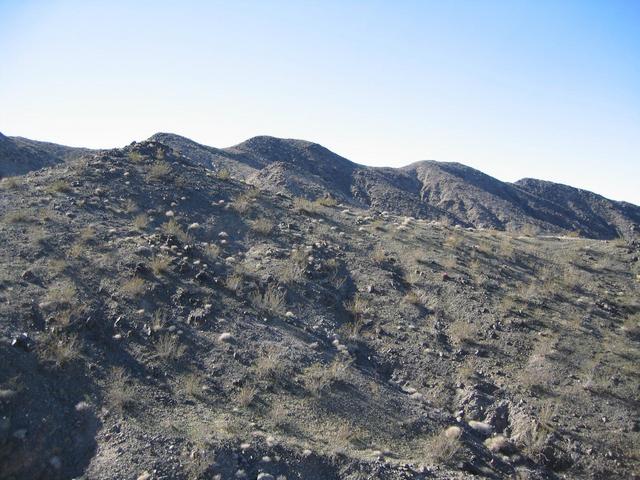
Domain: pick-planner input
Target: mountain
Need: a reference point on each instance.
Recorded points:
(160, 320)
(448, 192)
(20, 155)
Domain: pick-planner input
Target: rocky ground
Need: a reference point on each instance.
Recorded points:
(163, 320)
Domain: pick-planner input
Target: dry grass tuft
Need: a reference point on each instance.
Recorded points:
(160, 170)
(169, 348)
(444, 447)
(134, 287)
(246, 395)
(160, 264)
(223, 174)
(273, 300)
(303, 205)
(59, 186)
(262, 226)
(120, 395)
(173, 228)
(140, 222)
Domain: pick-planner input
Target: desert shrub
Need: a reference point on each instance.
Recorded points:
(463, 331)
(443, 448)
(246, 395)
(135, 157)
(453, 241)
(212, 251)
(61, 350)
(317, 378)
(159, 320)
(58, 186)
(160, 264)
(223, 174)
(173, 228)
(141, 221)
(273, 300)
(159, 171)
(130, 206)
(134, 287)
(270, 366)
(413, 277)
(192, 384)
(291, 272)
(327, 201)
(169, 348)
(278, 414)
(242, 204)
(344, 432)
(262, 226)
(303, 205)
(378, 255)
(57, 266)
(234, 281)
(120, 394)
(418, 298)
(62, 293)
(18, 216)
(10, 183)
(357, 306)
(87, 235)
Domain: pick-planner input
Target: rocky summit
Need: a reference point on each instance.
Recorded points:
(272, 310)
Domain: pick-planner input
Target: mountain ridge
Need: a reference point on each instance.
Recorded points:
(448, 192)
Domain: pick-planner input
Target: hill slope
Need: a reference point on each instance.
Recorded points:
(20, 155)
(159, 322)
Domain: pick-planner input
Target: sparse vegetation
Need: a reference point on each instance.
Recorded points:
(272, 300)
(223, 174)
(169, 348)
(443, 448)
(303, 205)
(160, 264)
(246, 395)
(134, 287)
(135, 157)
(262, 226)
(59, 186)
(172, 227)
(160, 170)
(120, 394)
(141, 221)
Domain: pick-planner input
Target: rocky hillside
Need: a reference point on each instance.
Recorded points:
(161, 319)
(448, 192)
(20, 155)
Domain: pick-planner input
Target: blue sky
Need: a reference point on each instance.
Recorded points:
(546, 89)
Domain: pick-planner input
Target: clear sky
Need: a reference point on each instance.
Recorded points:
(545, 89)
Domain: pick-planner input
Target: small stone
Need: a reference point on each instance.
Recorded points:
(265, 476)
(144, 476)
(6, 394)
(226, 337)
(453, 432)
(170, 213)
(82, 407)
(20, 434)
(481, 427)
